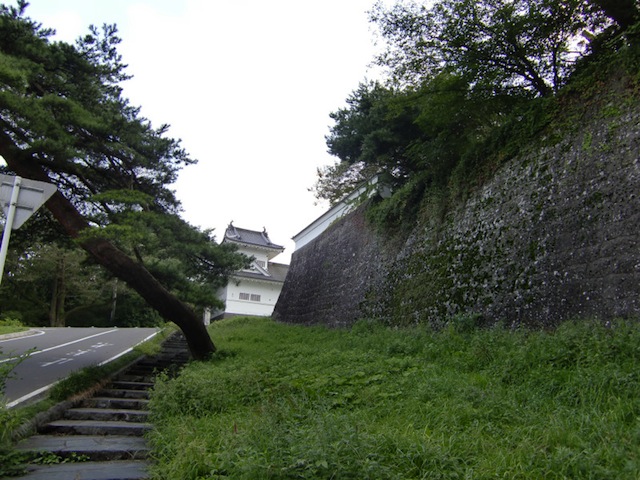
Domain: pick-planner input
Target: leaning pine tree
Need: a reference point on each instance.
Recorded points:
(63, 120)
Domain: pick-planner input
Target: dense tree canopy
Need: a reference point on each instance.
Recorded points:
(624, 12)
(406, 132)
(458, 70)
(62, 105)
(494, 44)
(64, 120)
(47, 283)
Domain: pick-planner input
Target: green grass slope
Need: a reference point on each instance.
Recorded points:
(284, 402)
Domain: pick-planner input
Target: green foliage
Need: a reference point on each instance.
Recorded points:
(500, 45)
(420, 132)
(5, 373)
(6, 370)
(186, 260)
(153, 346)
(470, 85)
(7, 321)
(13, 463)
(398, 212)
(65, 102)
(55, 284)
(11, 325)
(625, 13)
(120, 198)
(336, 181)
(48, 282)
(77, 382)
(89, 377)
(370, 128)
(10, 461)
(297, 402)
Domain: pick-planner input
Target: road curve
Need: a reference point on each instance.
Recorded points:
(51, 354)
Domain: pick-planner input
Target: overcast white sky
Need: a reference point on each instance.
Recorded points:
(247, 85)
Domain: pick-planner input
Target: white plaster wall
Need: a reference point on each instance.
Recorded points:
(264, 308)
(320, 225)
(258, 254)
(339, 210)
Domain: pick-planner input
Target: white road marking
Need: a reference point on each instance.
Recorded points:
(37, 392)
(62, 345)
(128, 349)
(60, 361)
(31, 395)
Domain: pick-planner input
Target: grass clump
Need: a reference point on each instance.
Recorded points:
(10, 325)
(283, 401)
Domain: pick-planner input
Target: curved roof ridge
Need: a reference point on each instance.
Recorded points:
(252, 237)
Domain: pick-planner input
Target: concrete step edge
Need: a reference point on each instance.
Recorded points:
(97, 413)
(132, 403)
(96, 427)
(108, 470)
(96, 447)
(128, 385)
(123, 393)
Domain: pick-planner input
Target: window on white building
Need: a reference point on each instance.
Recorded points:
(253, 297)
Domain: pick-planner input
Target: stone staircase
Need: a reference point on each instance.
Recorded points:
(102, 436)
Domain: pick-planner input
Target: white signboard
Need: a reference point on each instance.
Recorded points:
(20, 198)
(31, 196)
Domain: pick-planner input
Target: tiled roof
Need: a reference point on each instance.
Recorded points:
(278, 270)
(251, 237)
(277, 273)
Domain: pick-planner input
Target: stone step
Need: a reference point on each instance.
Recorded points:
(156, 367)
(121, 470)
(108, 428)
(96, 447)
(174, 353)
(95, 427)
(128, 376)
(106, 414)
(129, 385)
(148, 373)
(111, 402)
(122, 393)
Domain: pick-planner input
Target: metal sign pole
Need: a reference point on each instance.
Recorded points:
(8, 224)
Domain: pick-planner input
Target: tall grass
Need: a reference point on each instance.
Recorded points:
(284, 402)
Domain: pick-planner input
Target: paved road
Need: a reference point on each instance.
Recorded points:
(56, 352)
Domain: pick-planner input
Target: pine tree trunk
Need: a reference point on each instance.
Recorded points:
(56, 310)
(114, 301)
(148, 287)
(115, 260)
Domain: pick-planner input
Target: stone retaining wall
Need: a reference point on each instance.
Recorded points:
(554, 235)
